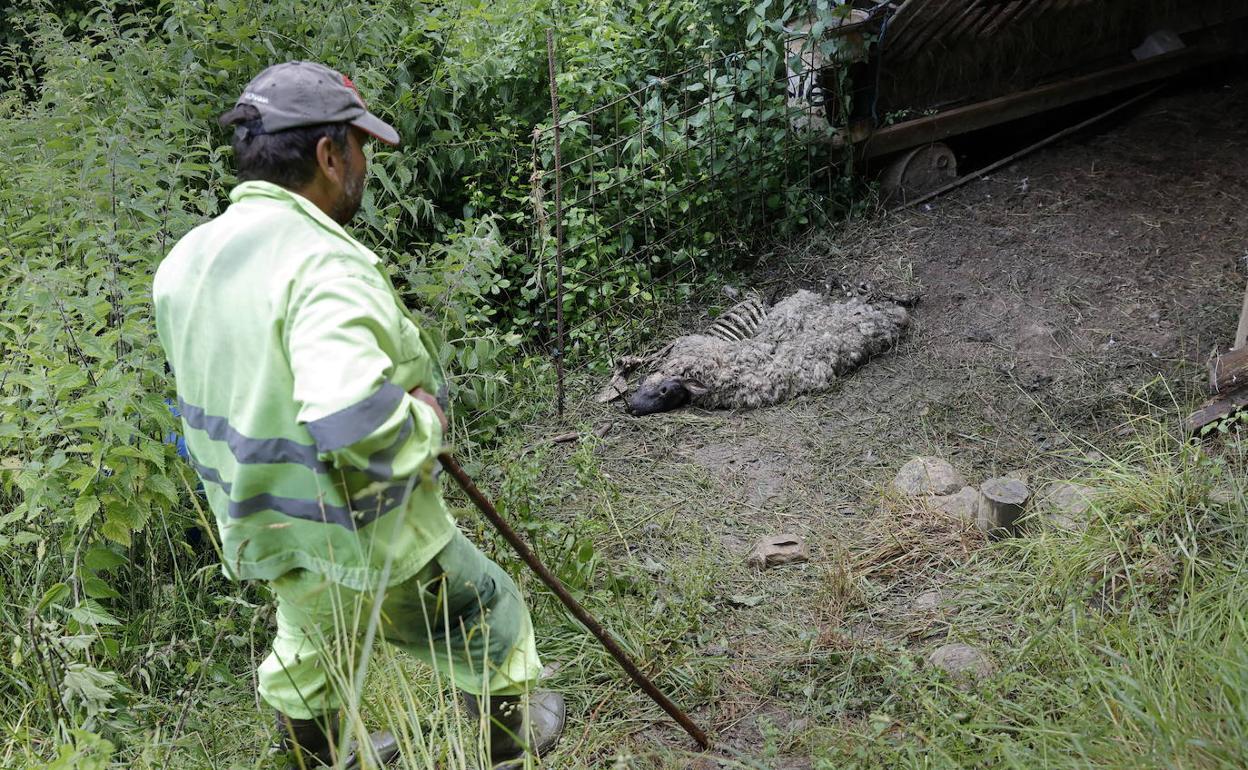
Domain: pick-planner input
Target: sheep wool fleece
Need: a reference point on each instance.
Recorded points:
(293, 359)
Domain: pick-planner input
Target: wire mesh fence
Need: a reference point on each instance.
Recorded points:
(645, 195)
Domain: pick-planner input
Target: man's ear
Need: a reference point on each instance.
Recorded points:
(330, 160)
(695, 387)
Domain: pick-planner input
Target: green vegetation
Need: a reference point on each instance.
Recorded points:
(1121, 646)
(113, 608)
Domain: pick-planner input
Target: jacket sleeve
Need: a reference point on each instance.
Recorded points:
(343, 337)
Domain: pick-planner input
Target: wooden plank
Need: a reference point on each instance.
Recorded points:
(1033, 147)
(939, 33)
(1228, 371)
(910, 20)
(994, 13)
(1037, 9)
(970, 22)
(935, 20)
(960, 120)
(1000, 17)
(1216, 409)
(902, 20)
(955, 29)
(1011, 15)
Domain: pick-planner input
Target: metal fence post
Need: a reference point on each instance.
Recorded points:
(560, 342)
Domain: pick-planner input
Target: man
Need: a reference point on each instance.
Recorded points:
(307, 400)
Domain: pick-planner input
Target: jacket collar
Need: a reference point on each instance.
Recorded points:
(260, 190)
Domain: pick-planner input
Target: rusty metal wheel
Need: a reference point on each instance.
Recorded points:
(918, 172)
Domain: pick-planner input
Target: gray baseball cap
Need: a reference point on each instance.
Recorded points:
(304, 93)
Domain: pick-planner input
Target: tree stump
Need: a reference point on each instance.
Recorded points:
(1001, 504)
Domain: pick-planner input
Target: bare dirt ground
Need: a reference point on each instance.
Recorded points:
(1057, 294)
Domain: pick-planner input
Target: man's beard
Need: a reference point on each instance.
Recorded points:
(352, 193)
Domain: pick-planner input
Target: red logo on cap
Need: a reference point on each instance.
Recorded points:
(346, 81)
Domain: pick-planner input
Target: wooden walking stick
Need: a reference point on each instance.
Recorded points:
(451, 466)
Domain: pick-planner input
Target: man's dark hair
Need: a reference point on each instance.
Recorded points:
(285, 158)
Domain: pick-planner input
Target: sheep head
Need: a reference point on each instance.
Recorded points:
(663, 392)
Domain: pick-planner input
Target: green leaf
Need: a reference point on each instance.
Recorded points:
(163, 486)
(96, 588)
(85, 508)
(87, 751)
(100, 558)
(117, 531)
(92, 613)
(54, 595)
(82, 479)
(89, 688)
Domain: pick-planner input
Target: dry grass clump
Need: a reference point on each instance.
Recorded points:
(908, 540)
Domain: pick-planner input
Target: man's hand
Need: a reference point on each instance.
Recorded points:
(424, 396)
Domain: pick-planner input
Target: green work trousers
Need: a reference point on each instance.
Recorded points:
(461, 614)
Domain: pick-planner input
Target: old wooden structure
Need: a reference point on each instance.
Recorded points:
(939, 68)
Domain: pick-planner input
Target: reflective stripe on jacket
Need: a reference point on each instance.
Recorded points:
(293, 357)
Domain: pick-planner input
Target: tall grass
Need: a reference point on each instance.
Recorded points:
(1120, 646)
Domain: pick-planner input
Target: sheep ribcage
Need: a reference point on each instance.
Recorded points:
(739, 322)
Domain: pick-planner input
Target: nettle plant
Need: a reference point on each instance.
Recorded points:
(112, 153)
(100, 174)
(671, 183)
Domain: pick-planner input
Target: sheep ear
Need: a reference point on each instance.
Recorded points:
(695, 387)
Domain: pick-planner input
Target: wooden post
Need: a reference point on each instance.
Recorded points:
(1001, 503)
(1230, 370)
(1241, 333)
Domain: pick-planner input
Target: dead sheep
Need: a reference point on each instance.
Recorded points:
(755, 356)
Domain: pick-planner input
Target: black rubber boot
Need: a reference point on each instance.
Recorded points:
(516, 730)
(312, 743)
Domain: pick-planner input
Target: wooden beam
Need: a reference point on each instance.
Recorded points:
(902, 20)
(1011, 15)
(1228, 372)
(939, 14)
(960, 120)
(976, 174)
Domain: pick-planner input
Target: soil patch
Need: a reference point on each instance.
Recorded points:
(1056, 294)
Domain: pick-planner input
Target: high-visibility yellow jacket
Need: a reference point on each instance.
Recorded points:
(293, 357)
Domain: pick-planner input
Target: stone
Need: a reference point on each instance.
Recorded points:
(549, 670)
(618, 386)
(928, 601)
(962, 661)
(778, 549)
(1065, 505)
(962, 504)
(928, 476)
